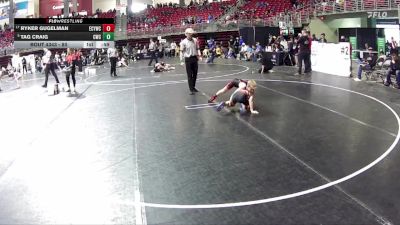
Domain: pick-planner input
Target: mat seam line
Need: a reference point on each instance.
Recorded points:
(140, 210)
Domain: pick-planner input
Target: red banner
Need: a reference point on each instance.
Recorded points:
(54, 7)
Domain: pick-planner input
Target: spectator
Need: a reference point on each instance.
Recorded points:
(394, 69)
(173, 48)
(218, 51)
(224, 50)
(314, 38)
(242, 53)
(284, 44)
(251, 53)
(323, 39)
(206, 53)
(237, 46)
(231, 42)
(258, 48)
(366, 46)
(393, 46)
(241, 41)
(367, 64)
(231, 53)
(210, 18)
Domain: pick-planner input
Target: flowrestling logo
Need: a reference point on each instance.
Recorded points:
(62, 6)
(383, 14)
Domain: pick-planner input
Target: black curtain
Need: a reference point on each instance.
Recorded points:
(367, 35)
(251, 35)
(262, 34)
(297, 30)
(247, 34)
(347, 32)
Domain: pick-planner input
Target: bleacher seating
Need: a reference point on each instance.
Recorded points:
(264, 8)
(173, 16)
(218, 37)
(6, 39)
(109, 14)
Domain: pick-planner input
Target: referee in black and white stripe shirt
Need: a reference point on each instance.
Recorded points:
(190, 52)
(152, 50)
(112, 56)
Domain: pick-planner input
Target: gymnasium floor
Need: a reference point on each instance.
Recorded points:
(137, 149)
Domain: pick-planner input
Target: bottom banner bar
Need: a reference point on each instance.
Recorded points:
(64, 44)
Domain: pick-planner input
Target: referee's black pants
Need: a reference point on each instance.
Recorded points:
(192, 67)
(113, 62)
(50, 68)
(153, 55)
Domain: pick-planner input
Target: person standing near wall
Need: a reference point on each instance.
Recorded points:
(190, 52)
(323, 39)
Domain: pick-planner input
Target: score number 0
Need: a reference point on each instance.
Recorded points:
(108, 27)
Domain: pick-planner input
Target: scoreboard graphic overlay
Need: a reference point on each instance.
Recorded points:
(64, 33)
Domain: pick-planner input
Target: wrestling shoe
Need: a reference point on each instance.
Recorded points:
(220, 106)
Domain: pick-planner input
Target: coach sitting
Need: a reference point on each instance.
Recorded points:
(367, 64)
(394, 69)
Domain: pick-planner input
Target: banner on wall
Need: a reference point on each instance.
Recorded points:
(4, 12)
(54, 7)
(381, 45)
(323, 54)
(21, 9)
(353, 42)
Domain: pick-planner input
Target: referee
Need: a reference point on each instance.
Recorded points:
(153, 48)
(190, 51)
(50, 66)
(112, 56)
